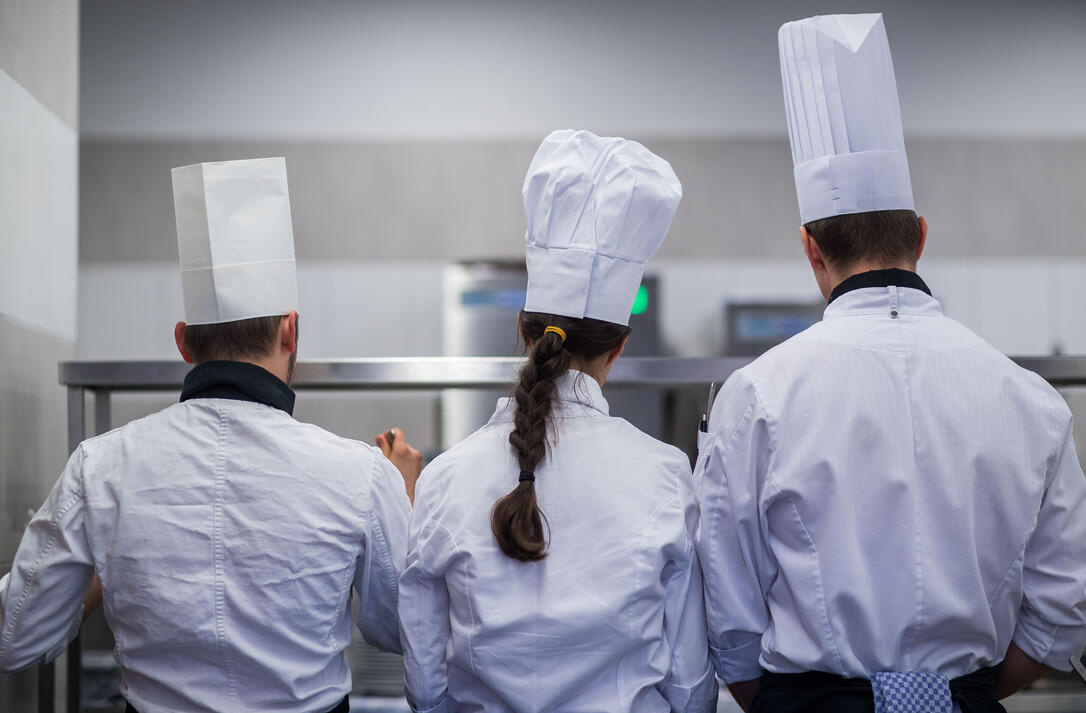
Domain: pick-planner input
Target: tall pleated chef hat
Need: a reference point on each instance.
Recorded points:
(235, 240)
(597, 209)
(844, 121)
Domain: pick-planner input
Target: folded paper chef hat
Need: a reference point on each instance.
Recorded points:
(844, 121)
(235, 240)
(597, 209)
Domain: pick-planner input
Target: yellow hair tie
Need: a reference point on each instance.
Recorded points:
(557, 330)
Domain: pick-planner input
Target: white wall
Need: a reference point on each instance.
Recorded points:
(39, 150)
(38, 272)
(490, 68)
(1025, 306)
(38, 201)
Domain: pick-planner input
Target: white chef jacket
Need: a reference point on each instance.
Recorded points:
(612, 620)
(227, 537)
(887, 492)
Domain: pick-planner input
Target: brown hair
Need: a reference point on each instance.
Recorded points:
(233, 341)
(516, 520)
(885, 237)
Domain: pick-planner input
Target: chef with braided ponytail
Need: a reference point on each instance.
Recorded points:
(551, 560)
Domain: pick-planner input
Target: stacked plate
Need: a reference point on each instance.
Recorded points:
(373, 672)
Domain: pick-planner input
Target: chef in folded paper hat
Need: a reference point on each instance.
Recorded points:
(227, 537)
(893, 515)
(551, 562)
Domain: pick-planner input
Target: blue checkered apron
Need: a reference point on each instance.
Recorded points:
(911, 693)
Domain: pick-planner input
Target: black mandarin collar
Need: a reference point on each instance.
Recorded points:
(240, 381)
(880, 278)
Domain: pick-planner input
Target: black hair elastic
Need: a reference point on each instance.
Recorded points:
(527, 475)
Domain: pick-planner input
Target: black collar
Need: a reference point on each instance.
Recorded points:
(237, 380)
(880, 278)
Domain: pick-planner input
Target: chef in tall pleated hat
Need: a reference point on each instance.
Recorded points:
(572, 523)
(226, 536)
(843, 117)
(893, 513)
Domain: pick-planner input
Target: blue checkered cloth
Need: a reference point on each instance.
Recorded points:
(911, 693)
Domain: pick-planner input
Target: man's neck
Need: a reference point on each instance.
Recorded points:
(836, 278)
(280, 368)
(239, 380)
(881, 277)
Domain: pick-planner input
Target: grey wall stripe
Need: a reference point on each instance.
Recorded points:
(461, 199)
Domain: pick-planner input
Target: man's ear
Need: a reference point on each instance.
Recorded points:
(617, 351)
(811, 249)
(288, 332)
(923, 236)
(179, 337)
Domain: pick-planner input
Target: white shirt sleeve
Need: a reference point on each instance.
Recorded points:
(731, 540)
(383, 556)
(425, 626)
(41, 599)
(690, 686)
(1052, 618)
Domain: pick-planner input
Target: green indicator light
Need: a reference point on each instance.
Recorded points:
(641, 302)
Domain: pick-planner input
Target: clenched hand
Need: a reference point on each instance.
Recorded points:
(393, 443)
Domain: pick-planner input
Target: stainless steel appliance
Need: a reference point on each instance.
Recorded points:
(752, 328)
(479, 318)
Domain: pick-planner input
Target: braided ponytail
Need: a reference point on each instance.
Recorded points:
(518, 524)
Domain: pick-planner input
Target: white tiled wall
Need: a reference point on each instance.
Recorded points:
(127, 311)
(1068, 292)
(38, 217)
(1021, 305)
(39, 153)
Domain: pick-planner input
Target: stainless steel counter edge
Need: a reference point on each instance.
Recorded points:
(468, 372)
(398, 373)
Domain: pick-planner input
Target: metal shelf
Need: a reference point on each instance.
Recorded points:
(397, 373)
(467, 372)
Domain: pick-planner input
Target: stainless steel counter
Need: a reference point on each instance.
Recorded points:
(466, 372)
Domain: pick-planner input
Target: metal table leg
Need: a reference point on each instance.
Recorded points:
(77, 431)
(102, 423)
(47, 680)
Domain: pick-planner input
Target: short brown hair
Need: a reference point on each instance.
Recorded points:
(885, 237)
(233, 341)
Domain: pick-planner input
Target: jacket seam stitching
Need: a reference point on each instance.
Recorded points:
(716, 520)
(54, 526)
(376, 531)
(219, 556)
(823, 606)
(918, 555)
(344, 589)
(1020, 557)
(467, 584)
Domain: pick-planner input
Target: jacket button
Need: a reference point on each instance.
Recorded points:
(893, 313)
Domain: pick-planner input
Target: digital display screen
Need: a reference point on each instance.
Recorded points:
(753, 327)
(756, 327)
(512, 299)
(641, 301)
